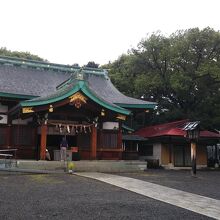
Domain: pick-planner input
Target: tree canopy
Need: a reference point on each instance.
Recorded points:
(181, 72)
(92, 64)
(24, 55)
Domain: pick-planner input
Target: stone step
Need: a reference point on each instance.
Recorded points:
(85, 166)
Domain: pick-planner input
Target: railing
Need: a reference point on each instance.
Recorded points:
(9, 158)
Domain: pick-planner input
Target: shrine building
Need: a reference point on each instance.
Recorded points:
(41, 102)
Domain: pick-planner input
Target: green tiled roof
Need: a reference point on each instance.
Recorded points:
(69, 90)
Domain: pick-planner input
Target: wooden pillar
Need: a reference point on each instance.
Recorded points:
(100, 144)
(43, 142)
(9, 136)
(93, 143)
(9, 131)
(170, 153)
(119, 144)
(193, 157)
(170, 150)
(119, 139)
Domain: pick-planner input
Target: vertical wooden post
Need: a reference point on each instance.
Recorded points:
(193, 157)
(43, 142)
(170, 150)
(9, 130)
(119, 144)
(93, 142)
(170, 153)
(100, 144)
(8, 136)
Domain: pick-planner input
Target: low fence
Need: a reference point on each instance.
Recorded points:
(8, 158)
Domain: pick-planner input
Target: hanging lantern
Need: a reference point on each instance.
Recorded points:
(103, 112)
(50, 108)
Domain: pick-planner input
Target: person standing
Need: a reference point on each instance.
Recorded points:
(63, 147)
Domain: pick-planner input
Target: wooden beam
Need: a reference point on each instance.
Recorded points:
(93, 143)
(43, 142)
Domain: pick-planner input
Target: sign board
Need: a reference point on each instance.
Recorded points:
(110, 125)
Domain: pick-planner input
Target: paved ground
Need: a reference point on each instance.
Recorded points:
(193, 202)
(71, 197)
(207, 183)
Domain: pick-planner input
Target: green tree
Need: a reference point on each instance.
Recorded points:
(92, 64)
(23, 55)
(181, 72)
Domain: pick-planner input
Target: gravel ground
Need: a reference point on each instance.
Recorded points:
(206, 183)
(72, 197)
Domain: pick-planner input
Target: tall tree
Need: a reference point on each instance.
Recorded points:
(181, 72)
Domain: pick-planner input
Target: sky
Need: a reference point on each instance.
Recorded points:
(79, 31)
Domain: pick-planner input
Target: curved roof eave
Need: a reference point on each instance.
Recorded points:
(80, 86)
(17, 96)
(139, 106)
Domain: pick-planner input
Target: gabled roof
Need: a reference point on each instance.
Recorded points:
(70, 89)
(171, 129)
(24, 78)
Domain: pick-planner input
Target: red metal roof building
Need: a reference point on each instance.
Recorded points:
(171, 147)
(171, 129)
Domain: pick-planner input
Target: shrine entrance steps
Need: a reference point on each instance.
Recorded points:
(107, 166)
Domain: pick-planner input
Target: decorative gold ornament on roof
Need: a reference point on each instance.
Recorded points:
(27, 110)
(121, 117)
(78, 99)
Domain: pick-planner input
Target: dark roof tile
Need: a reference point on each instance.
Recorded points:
(28, 79)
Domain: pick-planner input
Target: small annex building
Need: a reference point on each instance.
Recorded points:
(40, 102)
(168, 144)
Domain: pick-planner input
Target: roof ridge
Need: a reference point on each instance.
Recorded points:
(46, 65)
(172, 123)
(164, 124)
